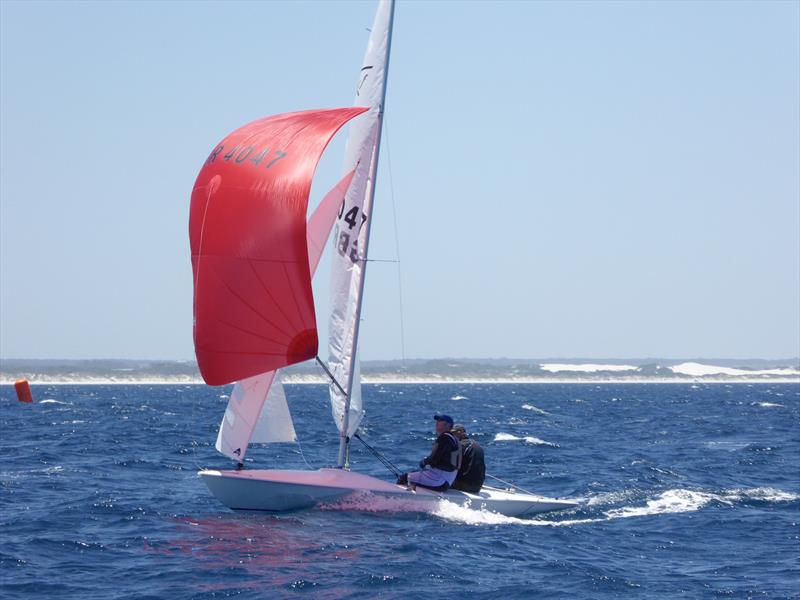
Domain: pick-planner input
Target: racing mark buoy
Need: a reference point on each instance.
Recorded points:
(23, 390)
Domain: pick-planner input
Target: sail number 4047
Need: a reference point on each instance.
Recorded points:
(241, 153)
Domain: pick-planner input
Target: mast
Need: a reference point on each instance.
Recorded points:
(344, 439)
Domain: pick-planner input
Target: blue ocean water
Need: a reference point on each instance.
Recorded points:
(686, 491)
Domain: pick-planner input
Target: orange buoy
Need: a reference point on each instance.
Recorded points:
(23, 390)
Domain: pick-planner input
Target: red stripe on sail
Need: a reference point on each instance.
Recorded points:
(253, 304)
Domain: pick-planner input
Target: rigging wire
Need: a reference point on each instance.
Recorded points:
(333, 379)
(302, 455)
(385, 461)
(508, 483)
(396, 242)
(346, 464)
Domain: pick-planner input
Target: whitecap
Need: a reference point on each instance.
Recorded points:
(769, 404)
(508, 437)
(51, 401)
(727, 445)
(48, 470)
(459, 398)
(760, 493)
(535, 409)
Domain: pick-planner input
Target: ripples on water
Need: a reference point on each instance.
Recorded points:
(687, 491)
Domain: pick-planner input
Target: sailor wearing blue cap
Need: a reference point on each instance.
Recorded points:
(442, 463)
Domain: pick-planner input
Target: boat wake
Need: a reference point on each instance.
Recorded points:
(451, 511)
(667, 502)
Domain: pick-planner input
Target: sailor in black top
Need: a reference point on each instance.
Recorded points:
(472, 473)
(443, 461)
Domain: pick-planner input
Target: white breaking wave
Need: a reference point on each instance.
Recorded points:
(51, 401)
(459, 398)
(699, 370)
(585, 368)
(535, 409)
(727, 445)
(507, 437)
(767, 494)
(770, 405)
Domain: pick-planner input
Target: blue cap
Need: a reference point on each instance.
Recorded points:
(447, 418)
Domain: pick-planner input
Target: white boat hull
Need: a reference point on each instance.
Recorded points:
(292, 490)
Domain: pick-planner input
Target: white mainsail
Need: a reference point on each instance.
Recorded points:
(351, 236)
(257, 411)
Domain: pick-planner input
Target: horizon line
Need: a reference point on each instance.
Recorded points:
(455, 358)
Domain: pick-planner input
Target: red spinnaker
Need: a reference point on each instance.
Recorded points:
(253, 305)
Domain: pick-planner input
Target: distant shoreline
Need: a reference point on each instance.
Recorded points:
(422, 372)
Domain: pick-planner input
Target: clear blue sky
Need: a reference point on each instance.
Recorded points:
(571, 179)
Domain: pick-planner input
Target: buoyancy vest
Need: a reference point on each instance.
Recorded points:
(448, 453)
(472, 473)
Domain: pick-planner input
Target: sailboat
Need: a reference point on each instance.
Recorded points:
(253, 258)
